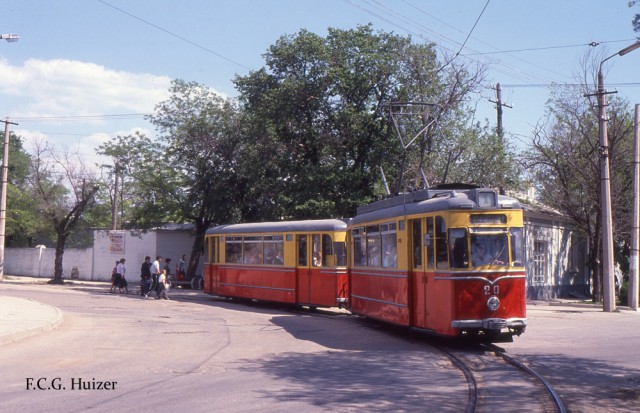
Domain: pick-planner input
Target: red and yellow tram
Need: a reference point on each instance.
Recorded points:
(448, 260)
(297, 262)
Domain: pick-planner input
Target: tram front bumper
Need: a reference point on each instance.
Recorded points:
(491, 324)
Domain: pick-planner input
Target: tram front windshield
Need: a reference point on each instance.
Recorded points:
(489, 247)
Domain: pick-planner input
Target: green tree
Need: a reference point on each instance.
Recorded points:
(317, 114)
(24, 225)
(202, 137)
(62, 190)
(143, 196)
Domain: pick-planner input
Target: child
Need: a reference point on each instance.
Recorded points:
(162, 286)
(115, 279)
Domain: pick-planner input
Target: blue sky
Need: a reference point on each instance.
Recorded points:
(80, 58)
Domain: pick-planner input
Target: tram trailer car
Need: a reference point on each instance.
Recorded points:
(296, 262)
(448, 260)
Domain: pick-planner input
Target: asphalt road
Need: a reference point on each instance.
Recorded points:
(195, 353)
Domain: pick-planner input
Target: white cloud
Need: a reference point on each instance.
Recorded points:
(72, 88)
(38, 91)
(84, 146)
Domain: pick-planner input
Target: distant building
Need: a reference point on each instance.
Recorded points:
(556, 256)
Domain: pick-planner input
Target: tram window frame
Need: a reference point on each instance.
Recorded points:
(273, 249)
(316, 250)
(416, 235)
(233, 249)
(302, 242)
(430, 235)
(211, 250)
(459, 250)
(340, 253)
(327, 249)
(253, 250)
(389, 245)
(359, 247)
(516, 236)
(495, 242)
(374, 253)
(442, 250)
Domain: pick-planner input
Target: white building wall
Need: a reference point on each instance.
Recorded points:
(110, 246)
(96, 264)
(37, 262)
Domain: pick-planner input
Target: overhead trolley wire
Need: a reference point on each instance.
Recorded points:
(184, 39)
(80, 118)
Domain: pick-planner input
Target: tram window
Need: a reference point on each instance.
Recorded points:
(359, 247)
(389, 245)
(273, 250)
(431, 258)
(340, 254)
(211, 250)
(459, 254)
(442, 256)
(517, 247)
(316, 250)
(374, 255)
(252, 250)
(302, 250)
(417, 243)
(327, 251)
(489, 246)
(233, 249)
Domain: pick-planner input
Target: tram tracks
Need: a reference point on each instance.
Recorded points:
(497, 386)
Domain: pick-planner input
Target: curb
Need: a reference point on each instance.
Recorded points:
(45, 326)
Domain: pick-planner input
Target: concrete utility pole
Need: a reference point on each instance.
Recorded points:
(632, 298)
(499, 106)
(3, 196)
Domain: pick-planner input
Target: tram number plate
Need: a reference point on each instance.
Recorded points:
(488, 290)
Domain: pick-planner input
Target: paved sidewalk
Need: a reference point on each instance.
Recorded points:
(21, 318)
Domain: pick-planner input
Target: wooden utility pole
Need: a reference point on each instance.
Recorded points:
(499, 106)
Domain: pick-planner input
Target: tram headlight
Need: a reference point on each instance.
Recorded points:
(493, 303)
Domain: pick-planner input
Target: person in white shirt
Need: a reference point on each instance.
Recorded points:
(156, 270)
(121, 272)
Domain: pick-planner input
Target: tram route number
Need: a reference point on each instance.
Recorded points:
(488, 290)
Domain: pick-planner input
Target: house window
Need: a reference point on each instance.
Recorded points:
(540, 252)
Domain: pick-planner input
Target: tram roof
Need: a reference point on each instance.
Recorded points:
(426, 201)
(281, 226)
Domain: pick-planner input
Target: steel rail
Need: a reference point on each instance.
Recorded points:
(555, 397)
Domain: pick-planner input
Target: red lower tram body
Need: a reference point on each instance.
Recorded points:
(317, 287)
(443, 303)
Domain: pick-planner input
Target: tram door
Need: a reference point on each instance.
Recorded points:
(419, 240)
(214, 276)
(313, 286)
